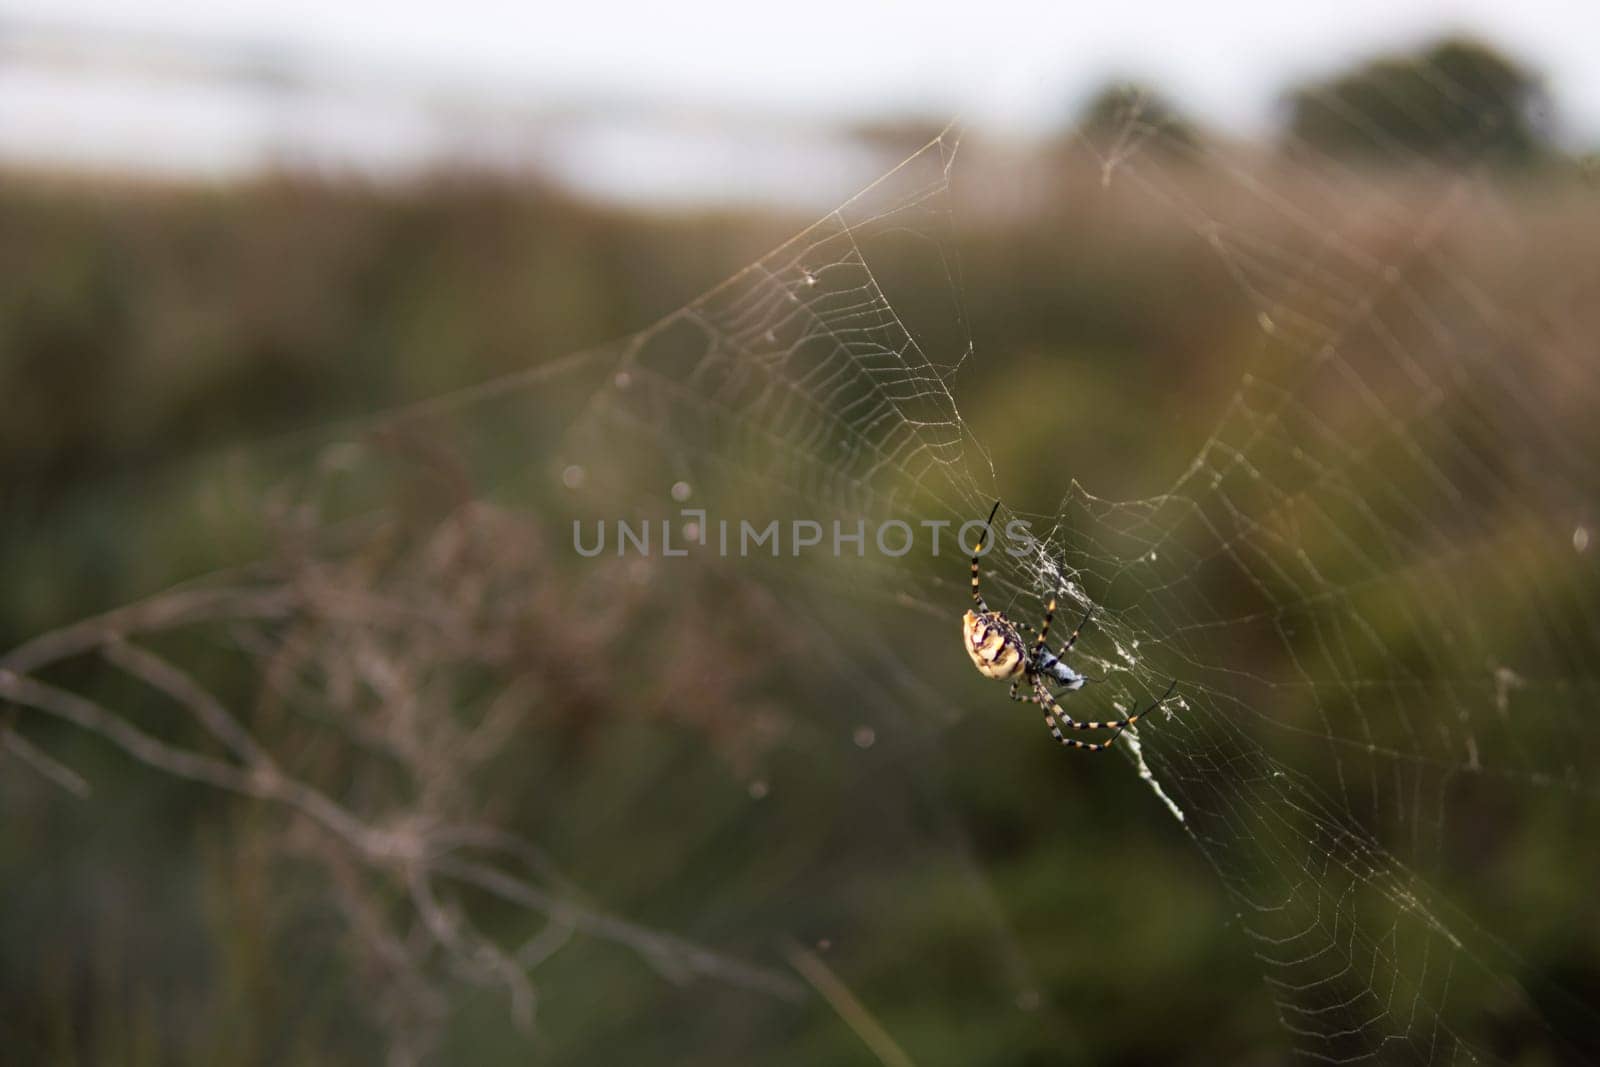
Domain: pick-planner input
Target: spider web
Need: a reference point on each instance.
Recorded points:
(1373, 567)
(1369, 575)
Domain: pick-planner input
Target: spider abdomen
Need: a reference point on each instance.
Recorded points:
(994, 645)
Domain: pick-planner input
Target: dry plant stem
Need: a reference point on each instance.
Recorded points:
(42, 763)
(855, 1014)
(409, 851)
(158, 613)
(677, 959)
(478, 955)
(262, 783)
(163, 675)
(390, 674)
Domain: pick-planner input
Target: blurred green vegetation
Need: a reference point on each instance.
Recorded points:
(143, 330)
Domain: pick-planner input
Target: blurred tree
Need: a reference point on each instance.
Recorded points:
(1457, 98)
(1129, 113)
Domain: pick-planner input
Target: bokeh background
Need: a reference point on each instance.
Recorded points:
(234, 241)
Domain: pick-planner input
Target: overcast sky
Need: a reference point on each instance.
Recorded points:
(1010, 61)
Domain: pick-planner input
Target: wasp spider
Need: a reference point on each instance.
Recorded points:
(998, 651)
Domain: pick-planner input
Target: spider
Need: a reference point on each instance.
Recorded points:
(997, 650)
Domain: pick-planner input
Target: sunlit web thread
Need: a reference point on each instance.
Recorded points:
(800, 364)
(1396, 570)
